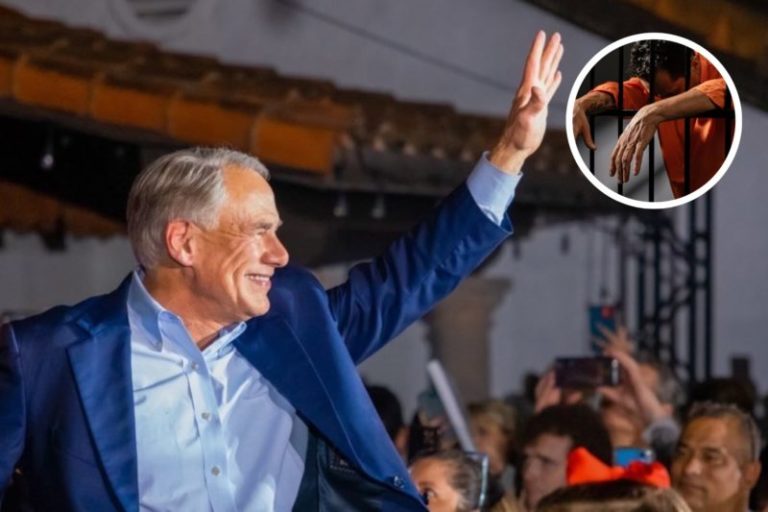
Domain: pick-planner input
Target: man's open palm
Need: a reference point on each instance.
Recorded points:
(527, 118)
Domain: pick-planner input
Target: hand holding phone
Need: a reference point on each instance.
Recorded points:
(586, 372)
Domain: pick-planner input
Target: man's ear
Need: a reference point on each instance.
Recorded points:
(178, 241)
(696, 69)
(751, 473)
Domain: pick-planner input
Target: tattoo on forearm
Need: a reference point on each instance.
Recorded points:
(597, 101)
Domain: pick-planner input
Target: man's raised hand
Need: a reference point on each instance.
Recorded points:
(527, 119)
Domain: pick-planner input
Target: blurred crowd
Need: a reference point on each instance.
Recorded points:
(642, 443)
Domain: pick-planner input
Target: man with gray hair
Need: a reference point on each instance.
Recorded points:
(717, 461)
(217, 377)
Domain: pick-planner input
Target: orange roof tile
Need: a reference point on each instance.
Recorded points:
(49, 214)
(294, 122)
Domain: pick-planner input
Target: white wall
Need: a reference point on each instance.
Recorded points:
(741, 251)
(34, 278)
(545, 310)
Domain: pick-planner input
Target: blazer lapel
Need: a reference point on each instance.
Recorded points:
(101, 363)
(271, 346)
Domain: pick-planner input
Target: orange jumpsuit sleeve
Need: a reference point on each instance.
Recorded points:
(635, 93)
(714, 90)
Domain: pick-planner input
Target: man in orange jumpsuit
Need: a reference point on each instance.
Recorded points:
(667, 114)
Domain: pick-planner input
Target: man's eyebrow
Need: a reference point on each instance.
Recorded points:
(539, 456)
(264, 224)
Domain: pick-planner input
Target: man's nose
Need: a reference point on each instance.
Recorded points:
(276, 253)
(692, 466)
(530, 473)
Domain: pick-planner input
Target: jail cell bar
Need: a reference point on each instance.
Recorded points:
(621, 113)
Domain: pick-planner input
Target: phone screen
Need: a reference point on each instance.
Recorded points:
(626, 455)
(586, 372)
(602, 315)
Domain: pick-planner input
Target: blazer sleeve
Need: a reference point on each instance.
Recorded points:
(12, 412)
(382, 297)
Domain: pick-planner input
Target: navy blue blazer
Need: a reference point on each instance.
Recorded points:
(66, 401)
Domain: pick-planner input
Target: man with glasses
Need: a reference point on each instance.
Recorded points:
(717, 459)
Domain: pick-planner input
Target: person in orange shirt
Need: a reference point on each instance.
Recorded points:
(672, 103)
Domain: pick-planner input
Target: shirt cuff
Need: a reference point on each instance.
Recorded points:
(493, 190)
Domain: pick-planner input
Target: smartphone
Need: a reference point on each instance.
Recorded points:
(586, 372)
(625, 455)
(601, 316)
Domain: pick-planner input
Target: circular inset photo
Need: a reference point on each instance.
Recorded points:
(667, 134)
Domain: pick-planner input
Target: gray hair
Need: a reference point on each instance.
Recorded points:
(745, 421)
(186, 184)
(668, 390)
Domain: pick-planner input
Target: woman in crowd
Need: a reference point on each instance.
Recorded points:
(493, 425)
(451, 481)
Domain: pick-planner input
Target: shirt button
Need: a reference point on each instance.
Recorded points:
(206, 416)
(195, 366)
(215, 471)
(398, 482)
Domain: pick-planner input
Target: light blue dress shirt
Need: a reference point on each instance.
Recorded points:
(492, 189)
(211, 433)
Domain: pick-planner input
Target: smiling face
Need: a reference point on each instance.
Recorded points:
(235, 260)
(708, 469)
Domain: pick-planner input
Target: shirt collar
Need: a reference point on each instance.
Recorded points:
(144, 309)
(149, 314)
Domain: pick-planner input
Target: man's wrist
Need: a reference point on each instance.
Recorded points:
(581, 105)
(506, 159)
(654, 113)
(492, 189)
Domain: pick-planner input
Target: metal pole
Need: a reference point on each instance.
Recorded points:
(641, 320)
(592, 124)
(708, 296)
(687, 155)
(656, 284)
(728, 127)
(652, 145)
(622, 270)
(692, 289)
(673, 216)
(620, 186)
